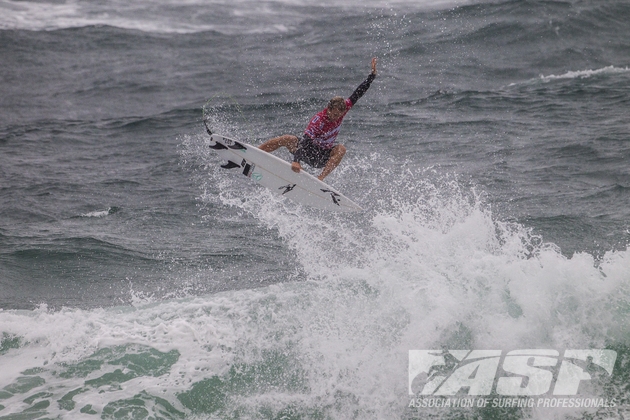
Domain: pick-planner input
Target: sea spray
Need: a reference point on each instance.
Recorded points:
(428, 266)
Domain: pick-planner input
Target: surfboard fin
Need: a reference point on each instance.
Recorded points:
(217, 146)
(237, 146)
(230, 165)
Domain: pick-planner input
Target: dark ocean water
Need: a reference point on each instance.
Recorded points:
(140, 280)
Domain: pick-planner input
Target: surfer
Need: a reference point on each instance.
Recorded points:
(318, 146)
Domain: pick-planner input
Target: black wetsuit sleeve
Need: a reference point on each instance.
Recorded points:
(363, 87)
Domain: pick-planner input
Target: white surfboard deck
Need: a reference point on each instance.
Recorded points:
(277, 175)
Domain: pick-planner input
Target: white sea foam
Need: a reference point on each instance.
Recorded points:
(578, 74)
(97, 213)
(581, 74)
(426, 266)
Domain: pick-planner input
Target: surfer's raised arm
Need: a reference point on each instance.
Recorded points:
(363, 87)
(318, 146)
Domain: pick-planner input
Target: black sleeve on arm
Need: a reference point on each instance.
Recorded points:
(363, 87)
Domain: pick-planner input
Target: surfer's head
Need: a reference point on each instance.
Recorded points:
(336, 108)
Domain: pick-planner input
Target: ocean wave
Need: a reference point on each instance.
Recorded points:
(575, 74)
(582, 74)
(425, 269)
(161, 17)
(169, 16)
(428, 265)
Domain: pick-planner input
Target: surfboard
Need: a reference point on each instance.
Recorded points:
(276, 174)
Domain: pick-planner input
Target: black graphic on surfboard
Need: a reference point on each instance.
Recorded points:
(335, 197)
(287, 188)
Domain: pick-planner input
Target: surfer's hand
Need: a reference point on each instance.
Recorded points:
(295, 166)
(374, 60)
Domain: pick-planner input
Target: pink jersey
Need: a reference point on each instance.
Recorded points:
(324, 132)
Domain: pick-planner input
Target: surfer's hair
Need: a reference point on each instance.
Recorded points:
(338, 103)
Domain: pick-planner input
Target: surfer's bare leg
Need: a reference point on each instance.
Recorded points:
(288, 141)
(336, 155)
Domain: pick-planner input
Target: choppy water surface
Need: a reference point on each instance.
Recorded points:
(140, 280)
